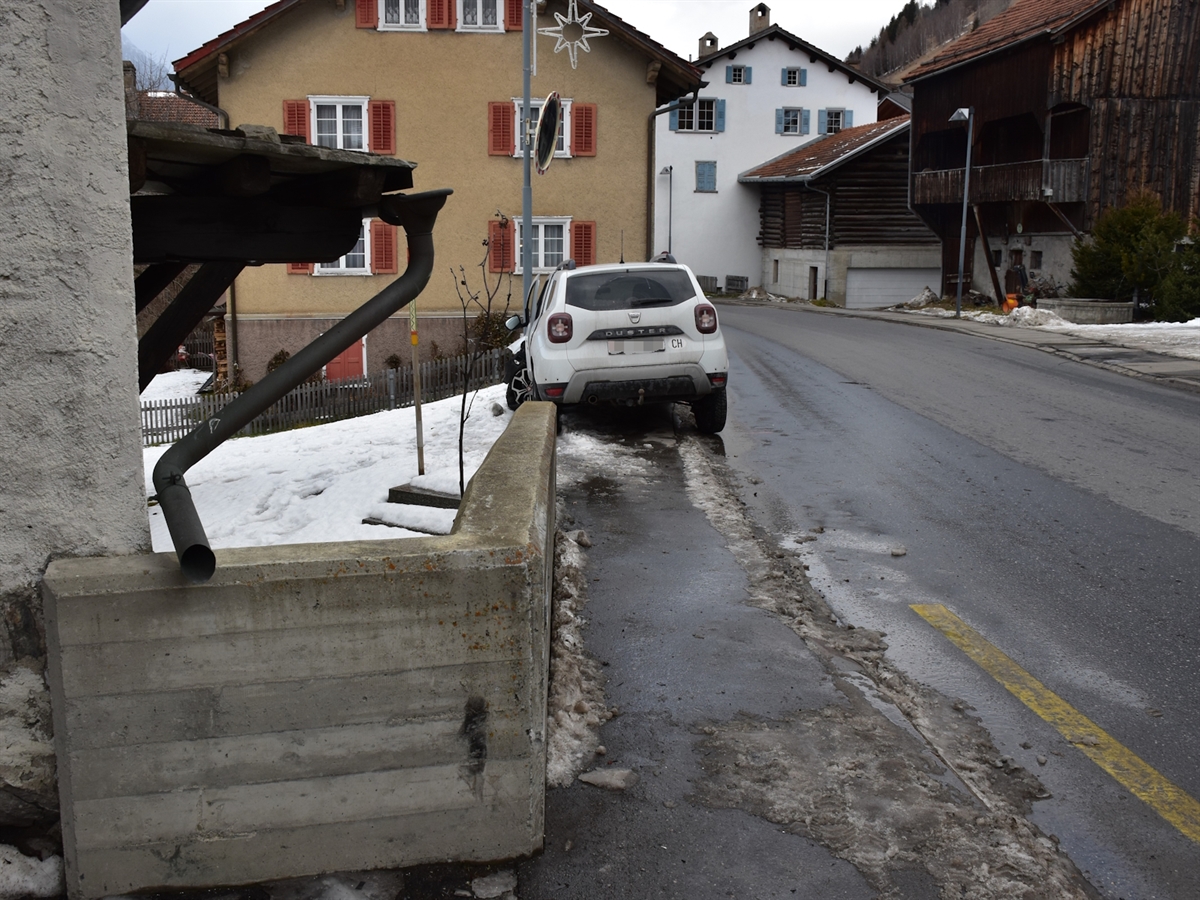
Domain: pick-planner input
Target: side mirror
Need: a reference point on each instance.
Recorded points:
(512, 323)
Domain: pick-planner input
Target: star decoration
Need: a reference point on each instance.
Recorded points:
(559, 32)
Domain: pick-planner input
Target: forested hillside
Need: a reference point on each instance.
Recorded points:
(920, 27)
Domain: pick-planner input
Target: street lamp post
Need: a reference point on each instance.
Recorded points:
(669, 171)
(964, 114)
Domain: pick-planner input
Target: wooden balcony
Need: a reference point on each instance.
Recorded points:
(1055, 180)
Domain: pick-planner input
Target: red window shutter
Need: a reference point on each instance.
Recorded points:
(583, 243)
(383, 248)
(439, 13)
(514, 11)
(295, 118)
(382, 114)
(299, 268)
(501, 257)
(366, 13)
(583, 129)
(501, 140)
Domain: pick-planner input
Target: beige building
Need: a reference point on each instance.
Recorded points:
(439, 82)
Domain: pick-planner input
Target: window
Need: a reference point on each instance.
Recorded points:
(561, 150)
(831, 121)
(791, 120)
(338, 122)
(794, 77)
(701, 116)
(1035, 259)
(706, 176)
(353, 263)
(402, 15)
(738, 74)
(549, 243)
(479, 15)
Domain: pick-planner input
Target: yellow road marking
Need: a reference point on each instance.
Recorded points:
(1137, 776)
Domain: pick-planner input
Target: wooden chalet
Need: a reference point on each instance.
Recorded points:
(835, 221)
(1079, 105)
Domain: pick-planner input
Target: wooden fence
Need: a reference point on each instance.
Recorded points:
(166, 421)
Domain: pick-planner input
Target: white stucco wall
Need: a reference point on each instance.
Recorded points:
(70, 436)
(717, 233)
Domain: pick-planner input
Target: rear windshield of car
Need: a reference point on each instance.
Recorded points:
(629, 289)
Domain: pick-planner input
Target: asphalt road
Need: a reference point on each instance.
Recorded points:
(1053, 506)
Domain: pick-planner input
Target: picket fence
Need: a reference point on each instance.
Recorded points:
(166, 421)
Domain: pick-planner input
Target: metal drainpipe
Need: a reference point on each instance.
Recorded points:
(416, 214)
(652, 167)
(809, 187)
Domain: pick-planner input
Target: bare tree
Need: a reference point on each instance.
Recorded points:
(919, 28)
(153, 73)
(481, 334)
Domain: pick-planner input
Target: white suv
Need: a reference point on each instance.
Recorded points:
(624, 334)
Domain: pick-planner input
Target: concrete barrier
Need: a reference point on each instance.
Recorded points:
(1088, 312)
(313, 708)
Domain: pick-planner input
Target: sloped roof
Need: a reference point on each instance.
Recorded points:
(685, 75)
(775, 32)
(162, 106)
(821, 156)
(1025, 20)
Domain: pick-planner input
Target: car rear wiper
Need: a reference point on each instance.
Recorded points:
(649, 301)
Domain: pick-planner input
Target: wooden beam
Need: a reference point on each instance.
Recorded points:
(1063, 218)
(176, 322)
(343, 189)
(153, 281)
(206, 229)
(987, 252)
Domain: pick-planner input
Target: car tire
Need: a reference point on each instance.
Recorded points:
(520, 385)
(710, 412)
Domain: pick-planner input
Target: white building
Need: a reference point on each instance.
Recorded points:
(766, 95)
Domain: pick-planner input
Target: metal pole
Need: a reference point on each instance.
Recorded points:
(416, 364)
(527, 187)
(670, 203)
(962, 235)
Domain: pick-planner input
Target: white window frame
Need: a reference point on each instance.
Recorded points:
(384, 25)
(841, 120)
(792, 72)
(539, 223)
(535, 105)
(694, 109)
(462, 26)
(319, 100)
(339, 268)
(799, 113)
(737, 74)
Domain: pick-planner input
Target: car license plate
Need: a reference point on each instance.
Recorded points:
(616, 348)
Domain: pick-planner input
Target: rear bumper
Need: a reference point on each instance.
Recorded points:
(685, 381)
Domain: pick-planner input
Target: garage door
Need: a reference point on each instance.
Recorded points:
(873, 288)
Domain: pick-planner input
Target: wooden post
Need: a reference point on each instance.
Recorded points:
(987, 252)
(416, 363)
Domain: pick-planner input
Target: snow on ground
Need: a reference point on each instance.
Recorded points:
(24, 876)
(318, 484)
(1180, 339)
(175, 385)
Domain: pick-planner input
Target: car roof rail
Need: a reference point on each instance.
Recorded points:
(568, 264)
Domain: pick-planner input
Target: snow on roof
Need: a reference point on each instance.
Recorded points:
(1023, 21)
(817, 157)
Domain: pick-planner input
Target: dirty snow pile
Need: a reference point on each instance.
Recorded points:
(27, 876)
(1180, 339)
(314, 485)
(757, 293)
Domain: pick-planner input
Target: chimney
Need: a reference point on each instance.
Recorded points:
(760, 18)
(708, 45)
(132, 106)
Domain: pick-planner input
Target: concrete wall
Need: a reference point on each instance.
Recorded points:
(316, 707)
(716, 233)
(793, 278)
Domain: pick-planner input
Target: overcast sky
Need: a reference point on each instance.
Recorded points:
(172, 28)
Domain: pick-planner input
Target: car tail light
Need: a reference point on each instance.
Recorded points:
(717, 379)
(555, 391)
(559, 329)
(706, 319)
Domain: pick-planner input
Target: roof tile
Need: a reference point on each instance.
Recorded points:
(816, 155)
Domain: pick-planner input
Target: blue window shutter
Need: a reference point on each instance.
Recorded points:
(848, 116)
(783, 77)
(706, 176)
(749, 70)
(805, 121)
(729, 74)
(779, 121)
(674, 117)
(804, 78)
(822, 122)
(720, 115)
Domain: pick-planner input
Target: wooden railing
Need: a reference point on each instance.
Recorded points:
(1054, 180)
(165, 421)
